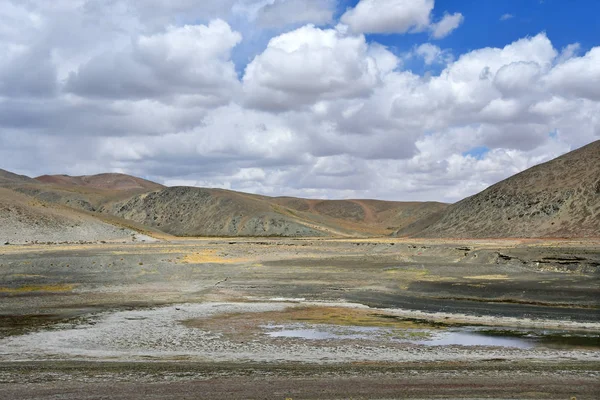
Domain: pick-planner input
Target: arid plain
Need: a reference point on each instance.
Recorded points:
(302, 318)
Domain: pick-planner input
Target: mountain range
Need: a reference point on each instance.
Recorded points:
(560, 198)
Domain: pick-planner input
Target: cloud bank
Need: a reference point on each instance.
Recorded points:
(319, 109)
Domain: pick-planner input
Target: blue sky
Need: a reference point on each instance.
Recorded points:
(564, 21)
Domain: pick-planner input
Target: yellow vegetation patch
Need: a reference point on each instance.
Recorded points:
(406, 276)
(341, 316)
(489, 277)
(26, 276)
(146, 272)
(409, 272)
(38, 288)
(208, 257)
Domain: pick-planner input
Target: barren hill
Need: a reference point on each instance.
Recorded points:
(24, 219)
(102, 181)
(376, 216)
(187, 211)
(560, 198)
(8, 178)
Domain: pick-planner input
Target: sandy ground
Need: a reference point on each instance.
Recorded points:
(175, 319)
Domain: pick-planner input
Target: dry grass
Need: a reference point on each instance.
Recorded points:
(250, 323)
(210, 257)
(496, 277)
(404, 277)
(38, 288)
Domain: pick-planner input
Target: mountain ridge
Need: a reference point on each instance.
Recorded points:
(110, 181)
(558, 198)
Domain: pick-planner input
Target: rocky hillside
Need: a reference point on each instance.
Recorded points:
(187, 211)
(102, 181)
(24, 219)
(376, 216)
(560, 198)
(87, 193)
(8, 178)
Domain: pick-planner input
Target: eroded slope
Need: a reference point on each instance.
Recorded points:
(24, 219)
(111, 181)
(186, 211)
(560, 198)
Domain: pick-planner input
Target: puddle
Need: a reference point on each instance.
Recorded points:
(548, 338)
(465, 336)
(470, 338)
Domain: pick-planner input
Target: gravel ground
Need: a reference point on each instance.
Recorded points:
(111, 320)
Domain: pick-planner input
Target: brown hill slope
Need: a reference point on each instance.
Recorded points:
(187, 211)
(9, 178)
(214, 212)
(560, 198)
(87, 193)
(102, 181)
(374, 216)
(24, 219)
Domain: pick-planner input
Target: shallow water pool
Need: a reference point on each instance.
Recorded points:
(464, 336)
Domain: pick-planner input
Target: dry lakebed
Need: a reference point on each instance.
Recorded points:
(301, 318)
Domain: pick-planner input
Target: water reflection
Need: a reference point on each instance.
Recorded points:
(465, 336)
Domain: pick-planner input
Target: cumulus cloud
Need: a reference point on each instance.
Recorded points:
(399, 16)
(506, 17)
(27, 72)
(308, 65)
(88, 86)
(287, 12)
(432, 54)
(446, 25)
(192, 60)
(389, 16)
(579, 76)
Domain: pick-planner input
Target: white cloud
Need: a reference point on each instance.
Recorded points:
(506, 17)
(578, 76)
(447, 24)
(308, 65)
(399, 16)
(517, 78)
(432, 54)
(317, 112)
(286, 12)
(389, 16)
(191, 60)
(568, 52)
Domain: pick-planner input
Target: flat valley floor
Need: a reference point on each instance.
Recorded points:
(231, 318)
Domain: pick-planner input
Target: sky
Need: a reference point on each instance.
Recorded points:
(390, 99)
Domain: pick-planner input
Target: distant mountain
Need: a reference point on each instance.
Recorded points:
(24, 219)
(101, 181)
(188, 211)
(560, 198)
(8, 178)
(125, 200)
(375, 215)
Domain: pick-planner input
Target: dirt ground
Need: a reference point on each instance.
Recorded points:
(192, 319)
